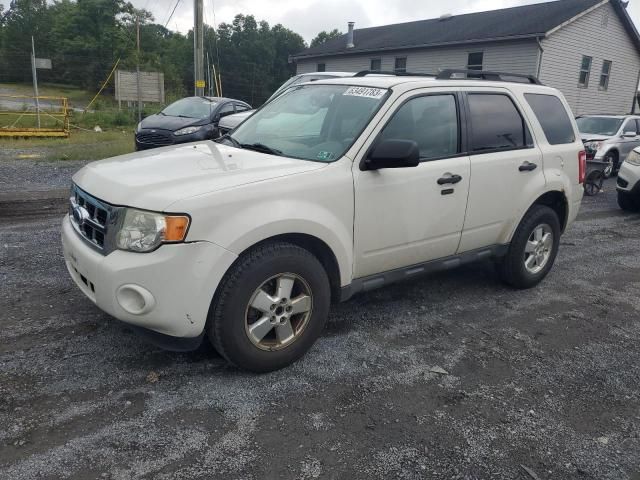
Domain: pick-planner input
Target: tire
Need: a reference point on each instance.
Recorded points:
(593, 183)
(614, 161)
(628, 202)
(235, 326)
(512, 266)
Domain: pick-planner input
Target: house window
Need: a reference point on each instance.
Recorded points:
(474, 62)
(585, 71)
(321, 67)
(376, 65)
(401, 65)
(604, 76)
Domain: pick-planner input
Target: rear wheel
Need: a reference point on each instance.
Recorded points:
(533, 248)
(270, 308)
(628, 202)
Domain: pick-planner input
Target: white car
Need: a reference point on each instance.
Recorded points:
(230, 122)
(628, 184)
(334, 188)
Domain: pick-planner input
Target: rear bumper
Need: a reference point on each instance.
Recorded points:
(167, 291)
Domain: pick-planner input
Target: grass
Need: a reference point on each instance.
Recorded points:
(80, 145)
(77, 96)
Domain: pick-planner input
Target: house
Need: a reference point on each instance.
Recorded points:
(588, 49)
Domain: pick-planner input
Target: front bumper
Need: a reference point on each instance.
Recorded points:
(177, 282)
(628, 179)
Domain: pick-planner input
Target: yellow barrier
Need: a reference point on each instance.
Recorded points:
(53, 111)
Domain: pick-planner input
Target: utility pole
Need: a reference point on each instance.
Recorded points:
(35, 78)
(198, 47)
(138, 86)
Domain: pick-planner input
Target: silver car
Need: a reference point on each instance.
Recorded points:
(609, 138)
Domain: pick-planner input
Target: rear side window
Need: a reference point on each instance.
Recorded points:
(496, 124)
(553, 118)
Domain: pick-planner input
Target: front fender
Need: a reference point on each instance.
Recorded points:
(317, 203)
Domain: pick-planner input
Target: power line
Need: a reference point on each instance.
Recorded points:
(172, 12)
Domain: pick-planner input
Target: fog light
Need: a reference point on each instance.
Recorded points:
(135, 299)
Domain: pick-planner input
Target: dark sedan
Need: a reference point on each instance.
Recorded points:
(188, 120)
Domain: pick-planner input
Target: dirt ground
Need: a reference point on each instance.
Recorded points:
(539, 384)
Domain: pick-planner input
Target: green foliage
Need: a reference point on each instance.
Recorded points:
(324, 36)
(84, 38)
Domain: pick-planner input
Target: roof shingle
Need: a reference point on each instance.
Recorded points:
(508, 23)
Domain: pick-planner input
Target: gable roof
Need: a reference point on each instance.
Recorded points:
(527, 21)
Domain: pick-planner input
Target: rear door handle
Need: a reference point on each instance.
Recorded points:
(449, 179)
(527, 167)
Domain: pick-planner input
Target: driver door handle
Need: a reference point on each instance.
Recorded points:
(449, 179)
(527, 167)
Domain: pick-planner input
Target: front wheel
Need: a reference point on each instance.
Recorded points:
(533, 248)
(270, 308)
(612, 164)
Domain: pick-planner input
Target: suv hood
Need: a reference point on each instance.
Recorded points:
(155, 179)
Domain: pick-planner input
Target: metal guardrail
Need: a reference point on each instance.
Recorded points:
(16, 110)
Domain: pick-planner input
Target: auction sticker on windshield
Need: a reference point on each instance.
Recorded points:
(365, 92)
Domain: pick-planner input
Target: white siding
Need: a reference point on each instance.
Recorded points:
(563, 51)
(515, 57)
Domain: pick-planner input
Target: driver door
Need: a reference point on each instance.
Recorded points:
(407, 216)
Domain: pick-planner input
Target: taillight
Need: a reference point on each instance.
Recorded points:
(582, 166)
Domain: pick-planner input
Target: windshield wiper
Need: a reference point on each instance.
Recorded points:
(261, 147)
(227, 136)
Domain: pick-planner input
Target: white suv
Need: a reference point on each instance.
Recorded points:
(336, 187)
(628, 184)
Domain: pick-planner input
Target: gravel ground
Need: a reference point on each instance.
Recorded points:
(547, 379)
(26, 174)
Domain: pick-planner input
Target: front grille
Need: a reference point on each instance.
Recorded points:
(154, 138)
(622, 183)
(90, 217)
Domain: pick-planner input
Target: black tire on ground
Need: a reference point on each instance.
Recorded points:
(512, 266)
(628, 202)
(227, 315)
(593, 183)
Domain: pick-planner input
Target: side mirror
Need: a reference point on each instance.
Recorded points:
(629, 134)
(392, 154)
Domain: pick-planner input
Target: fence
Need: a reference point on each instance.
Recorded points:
(29, 116)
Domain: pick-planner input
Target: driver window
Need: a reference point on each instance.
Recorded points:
(431, 121)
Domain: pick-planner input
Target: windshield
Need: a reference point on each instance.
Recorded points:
(192, 107)
(311, 122)
(599, 125)
(296, 80)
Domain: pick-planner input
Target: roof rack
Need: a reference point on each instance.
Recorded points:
(448, 74)
(364, 73)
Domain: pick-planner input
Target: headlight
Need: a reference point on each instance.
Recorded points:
(634, 158)
(594, 146)
(138, 127)
(145, 231)
(187, 131)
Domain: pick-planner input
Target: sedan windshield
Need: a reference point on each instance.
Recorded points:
(192, 107)
(310, 122)
(599, 125)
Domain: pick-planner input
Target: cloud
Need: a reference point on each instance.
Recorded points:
(308, 17)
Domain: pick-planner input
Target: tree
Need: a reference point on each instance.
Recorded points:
(325, 36)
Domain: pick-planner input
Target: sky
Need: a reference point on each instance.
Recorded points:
(308, 17)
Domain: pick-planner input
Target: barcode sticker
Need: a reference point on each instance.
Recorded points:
(365, 92)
